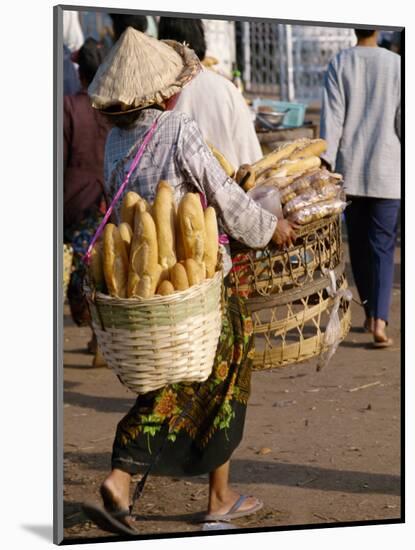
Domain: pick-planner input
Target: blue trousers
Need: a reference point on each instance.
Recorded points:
(372, 228)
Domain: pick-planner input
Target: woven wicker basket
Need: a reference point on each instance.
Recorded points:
(67, 267)
(272, 271)
(286, 293)
(290, 328)
(151, 343)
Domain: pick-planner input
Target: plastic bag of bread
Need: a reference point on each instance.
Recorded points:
(317, 211)
(323, 177)
(310, 197)
(300, 184)
(268, 197)
(301, 201)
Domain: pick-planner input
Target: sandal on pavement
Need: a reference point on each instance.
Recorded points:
(233, 513)
(109, 521)
(383, 343)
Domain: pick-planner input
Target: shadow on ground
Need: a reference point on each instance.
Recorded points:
(277, 473)
(101, 404)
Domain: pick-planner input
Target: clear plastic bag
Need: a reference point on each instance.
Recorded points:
(268, 197)
(311, 196)
(322, 178)
(314, 212)
(332, 334)
(300, 201)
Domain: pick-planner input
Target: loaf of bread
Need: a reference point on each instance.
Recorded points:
(126, 235)
(315, 147)
(165, 288)
(164, 215)
(178, 277)
(211, 241)
(192, 226)
(289, 167)
(279, 154)
(115, 262)
(226, 165)
(245, 177)
(144, 267)
(148, 283)
(195, 272)
(128, 207)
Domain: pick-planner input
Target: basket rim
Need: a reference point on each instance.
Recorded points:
(177, 296)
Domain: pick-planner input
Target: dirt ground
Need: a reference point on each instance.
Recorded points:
(318, 448)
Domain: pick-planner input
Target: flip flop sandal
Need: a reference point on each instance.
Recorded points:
(109, 521)
(383, 343)
(233, 512)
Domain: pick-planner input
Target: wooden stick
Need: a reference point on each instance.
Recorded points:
(365, 386)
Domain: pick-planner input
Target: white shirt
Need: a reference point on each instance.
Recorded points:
(73, 37)
(360, 119)
(222, 115)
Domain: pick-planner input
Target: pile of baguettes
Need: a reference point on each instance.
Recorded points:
(308, 191)
(157, 249)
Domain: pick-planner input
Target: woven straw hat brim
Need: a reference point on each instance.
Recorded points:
(141, 71)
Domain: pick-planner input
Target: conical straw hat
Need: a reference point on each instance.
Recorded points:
(140, 71)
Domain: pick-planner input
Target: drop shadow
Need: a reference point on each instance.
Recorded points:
(44, 532)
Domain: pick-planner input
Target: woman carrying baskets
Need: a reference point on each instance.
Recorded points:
(198, 425)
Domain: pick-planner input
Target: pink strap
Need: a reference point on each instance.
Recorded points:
(108, 213)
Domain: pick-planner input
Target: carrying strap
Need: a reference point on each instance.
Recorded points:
(120, 191)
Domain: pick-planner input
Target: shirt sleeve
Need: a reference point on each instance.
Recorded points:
(241, 217)
(332, 114)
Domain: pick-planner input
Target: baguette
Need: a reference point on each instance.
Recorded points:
(148, 283)
(195, 272)
(140, 206)
(211, 242)
(289, 167)
(144, 268)
(178, 277)
(270, 160)
(226, 165)
(316, 147)
(128, 207)
(127, 235)
(245, 177)
(192, 226)
(164, 219)
(115, 262)
(165, 288)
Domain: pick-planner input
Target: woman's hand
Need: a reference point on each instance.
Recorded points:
(284, 234)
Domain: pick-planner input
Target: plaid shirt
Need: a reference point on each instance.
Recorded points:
(178, 154)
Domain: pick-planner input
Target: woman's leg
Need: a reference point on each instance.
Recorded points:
(115, 490)
(221, 496)
(357, 223)
(382, 238)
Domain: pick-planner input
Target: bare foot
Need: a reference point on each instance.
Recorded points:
(115, 490)
(379, 334)
(221, 504)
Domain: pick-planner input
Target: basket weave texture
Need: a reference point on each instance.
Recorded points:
(293, 332)
(271, 271)
(151, 343)
(67, 267)
(286, 293)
